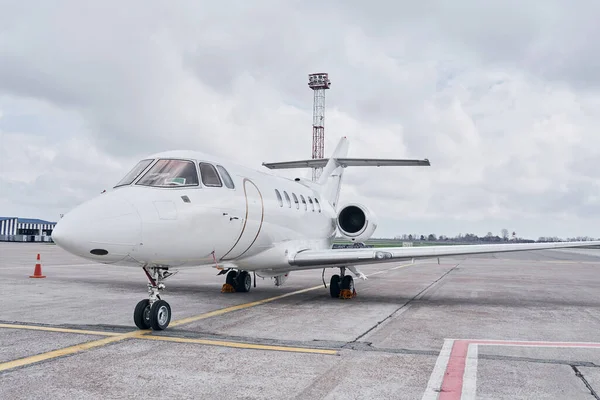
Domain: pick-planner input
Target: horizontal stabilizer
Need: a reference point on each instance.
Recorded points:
(315, 163)
(381, 162)
(347, 162)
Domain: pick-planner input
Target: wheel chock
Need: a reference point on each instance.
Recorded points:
(347, 294)
(227, 288)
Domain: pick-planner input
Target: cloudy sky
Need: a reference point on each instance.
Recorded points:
(503, 98)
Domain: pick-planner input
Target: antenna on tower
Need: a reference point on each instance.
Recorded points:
(318, 83)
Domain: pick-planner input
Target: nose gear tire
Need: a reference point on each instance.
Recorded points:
(141, 314)
(160, 315)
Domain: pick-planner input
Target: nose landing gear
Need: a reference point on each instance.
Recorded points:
(153, 312)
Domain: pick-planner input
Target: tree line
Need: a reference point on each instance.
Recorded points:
(504, 236)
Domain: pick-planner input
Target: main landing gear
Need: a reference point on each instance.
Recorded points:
(237, 281)
(342, 285)
(153, 312)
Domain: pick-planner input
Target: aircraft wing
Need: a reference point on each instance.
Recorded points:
(347, 162)
(307, 259)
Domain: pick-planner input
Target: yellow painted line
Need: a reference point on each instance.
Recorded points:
(240, 345)
(259, 302)
(68, 350)
(140, 334)
(561, 262)
(383, 271)
(239, 307)
(63, 330)
(401, 266)
(135, 334)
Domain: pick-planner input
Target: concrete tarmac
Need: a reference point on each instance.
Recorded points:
(508, 326)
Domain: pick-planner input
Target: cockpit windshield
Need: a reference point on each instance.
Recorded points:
(131, 175)
(171, 173)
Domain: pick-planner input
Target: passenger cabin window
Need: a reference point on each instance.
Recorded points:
(303, 202)
(287, 199)
(131, 175)
(209, 174)
(279, 198)
(312, 206)
(318, 205)
(169, 173)
(226, 178)
(296, 201)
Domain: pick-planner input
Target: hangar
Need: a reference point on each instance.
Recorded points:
(15, 229)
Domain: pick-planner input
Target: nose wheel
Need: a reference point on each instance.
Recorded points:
(153, 312)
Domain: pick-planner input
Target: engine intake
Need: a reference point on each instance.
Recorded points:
(356, 222)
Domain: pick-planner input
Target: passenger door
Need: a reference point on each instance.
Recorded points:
(251, 223)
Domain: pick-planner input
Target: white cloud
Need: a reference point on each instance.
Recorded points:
(502, 103)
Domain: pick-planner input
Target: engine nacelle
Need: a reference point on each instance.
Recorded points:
(356, 222)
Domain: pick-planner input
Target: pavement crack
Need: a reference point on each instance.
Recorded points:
(405, 305)
(585, 382)
(496, 357)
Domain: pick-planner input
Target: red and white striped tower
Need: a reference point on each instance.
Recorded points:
(318, 83)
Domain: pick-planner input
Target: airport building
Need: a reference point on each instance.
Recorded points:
(14, 229)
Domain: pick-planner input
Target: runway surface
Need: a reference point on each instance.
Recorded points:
(511, 326)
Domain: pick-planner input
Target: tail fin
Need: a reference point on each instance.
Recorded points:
(331, 177)
(333, 168)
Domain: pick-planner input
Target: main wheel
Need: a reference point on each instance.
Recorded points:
(230, 278)
(141, 314)
(348, 283)
(244, 282)
(160, 315)
(334, 286)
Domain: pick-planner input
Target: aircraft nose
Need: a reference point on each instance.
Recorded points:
(106, 229)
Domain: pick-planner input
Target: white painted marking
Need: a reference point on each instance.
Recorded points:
(468, 363)
(437, 376)
(469, 389)
(529, 343)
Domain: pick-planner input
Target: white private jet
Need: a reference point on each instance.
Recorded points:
(188, 209)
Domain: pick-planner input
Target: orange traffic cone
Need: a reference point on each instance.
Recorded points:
(37, 272)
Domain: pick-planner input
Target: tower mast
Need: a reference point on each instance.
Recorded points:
(318, 83)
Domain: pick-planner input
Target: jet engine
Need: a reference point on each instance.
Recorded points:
(356, 222)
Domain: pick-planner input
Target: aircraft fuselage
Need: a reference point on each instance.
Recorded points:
(135, 225)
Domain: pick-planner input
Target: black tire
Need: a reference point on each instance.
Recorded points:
(244, 282)
(141, 314)
(348, 283)
(230, 278)
(334, 286)
(160, 315)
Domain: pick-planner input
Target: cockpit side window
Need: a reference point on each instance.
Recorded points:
(131, 175)
(209, 174)
(171, 173)
(226, 178)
